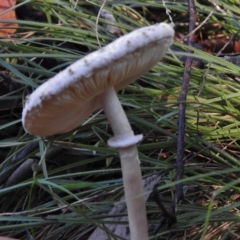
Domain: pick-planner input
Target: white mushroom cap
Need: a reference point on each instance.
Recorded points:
(64, 101)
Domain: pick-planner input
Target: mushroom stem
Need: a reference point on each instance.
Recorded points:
(125, 141)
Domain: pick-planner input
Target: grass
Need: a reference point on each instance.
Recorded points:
(74, 190)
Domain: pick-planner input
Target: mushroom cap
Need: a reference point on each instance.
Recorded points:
(64, 101)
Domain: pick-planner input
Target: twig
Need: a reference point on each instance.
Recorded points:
(169, 217)
(182, 105)
(97, 19)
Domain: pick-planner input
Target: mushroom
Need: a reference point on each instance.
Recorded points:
(63, 102)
